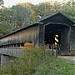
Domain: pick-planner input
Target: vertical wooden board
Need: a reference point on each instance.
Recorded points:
(65, 39)
(41, 35)
(72, 38)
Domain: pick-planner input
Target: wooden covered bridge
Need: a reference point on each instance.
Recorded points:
(54, 30)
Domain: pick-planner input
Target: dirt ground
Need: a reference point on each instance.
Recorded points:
(71, 58)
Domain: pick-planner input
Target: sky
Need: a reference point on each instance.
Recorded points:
(9, 3)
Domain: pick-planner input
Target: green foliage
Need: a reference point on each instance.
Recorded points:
(6, 24)
(25, 14)
(39, 62)
(56, 67)
(1, 2)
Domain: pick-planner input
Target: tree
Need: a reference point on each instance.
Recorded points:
(25, 14)
(1, 3)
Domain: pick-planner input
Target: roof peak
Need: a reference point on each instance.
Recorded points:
(59, 14)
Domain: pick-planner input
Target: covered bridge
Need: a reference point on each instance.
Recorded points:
(55, 29)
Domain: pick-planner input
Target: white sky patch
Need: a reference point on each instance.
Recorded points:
(9, 3)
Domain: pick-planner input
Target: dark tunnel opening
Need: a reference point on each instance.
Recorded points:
(50, 37)
(56, 34)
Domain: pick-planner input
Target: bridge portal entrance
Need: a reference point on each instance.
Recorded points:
(57, 36)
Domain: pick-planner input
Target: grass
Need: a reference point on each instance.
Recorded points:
(39, 62)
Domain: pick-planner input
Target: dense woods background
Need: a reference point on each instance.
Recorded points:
(25, 14)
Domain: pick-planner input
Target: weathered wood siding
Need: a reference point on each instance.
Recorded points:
(72, 38)
(30, 34)
(41, 34)
(65, 37)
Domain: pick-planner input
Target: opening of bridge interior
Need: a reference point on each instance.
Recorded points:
(57, 34)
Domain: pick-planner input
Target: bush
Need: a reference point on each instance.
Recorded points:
(39, 62)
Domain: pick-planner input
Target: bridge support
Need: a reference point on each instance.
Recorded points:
(4, 60)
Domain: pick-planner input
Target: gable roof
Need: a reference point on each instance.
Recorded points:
(58, 18)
